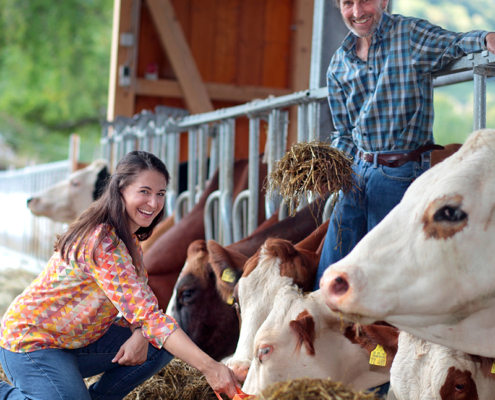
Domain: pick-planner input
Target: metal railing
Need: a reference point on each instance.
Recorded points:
(20, 230)
(227, 219)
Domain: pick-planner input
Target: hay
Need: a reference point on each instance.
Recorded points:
(309, 170)
(311, 389)
(177, 381)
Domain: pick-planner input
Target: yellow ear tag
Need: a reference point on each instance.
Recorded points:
(493, 367)
(230, 301)
(228, 275)
(378, 356)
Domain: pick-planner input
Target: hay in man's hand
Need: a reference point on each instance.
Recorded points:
(310, 169)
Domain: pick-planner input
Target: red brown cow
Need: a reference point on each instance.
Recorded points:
(202, 298)
(165, 258)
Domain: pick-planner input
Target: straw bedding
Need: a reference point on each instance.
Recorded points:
(309, 170)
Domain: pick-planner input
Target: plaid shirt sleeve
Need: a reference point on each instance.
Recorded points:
(342, 137)
(432, 47)
(114, 273)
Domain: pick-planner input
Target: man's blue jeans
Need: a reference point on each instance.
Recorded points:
(378, 190)
(54, 374)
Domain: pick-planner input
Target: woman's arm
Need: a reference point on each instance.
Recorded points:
(220, 377)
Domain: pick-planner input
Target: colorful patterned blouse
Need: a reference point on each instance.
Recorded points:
(72, 305)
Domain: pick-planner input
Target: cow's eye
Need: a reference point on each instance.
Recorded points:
(460, 386)
(75, 183)
(263, 352)
(450, 214)
(186, 295)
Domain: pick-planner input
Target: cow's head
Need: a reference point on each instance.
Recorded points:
(202, 299)
(425, 371)
(430, 261)
(302, 338)
(65, 200)
(277, 263)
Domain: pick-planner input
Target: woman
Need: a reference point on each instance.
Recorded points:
(64, 326)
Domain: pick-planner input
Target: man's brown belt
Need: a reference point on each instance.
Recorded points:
(397, 159)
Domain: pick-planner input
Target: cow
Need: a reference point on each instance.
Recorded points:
(428, 267)
(202, 300)
(300, 338)
(423, 370)
(165, 258)
(277, 263)
(65, 200)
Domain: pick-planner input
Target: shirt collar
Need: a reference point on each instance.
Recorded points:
(349, 43)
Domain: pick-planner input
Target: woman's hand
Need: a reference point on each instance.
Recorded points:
(221, 378)
(134, 351)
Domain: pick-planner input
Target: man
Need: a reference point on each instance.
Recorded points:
(380, 93)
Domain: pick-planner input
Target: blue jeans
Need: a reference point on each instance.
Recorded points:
(54, 374)
(378, 190)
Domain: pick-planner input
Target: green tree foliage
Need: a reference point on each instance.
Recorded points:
(54, 71)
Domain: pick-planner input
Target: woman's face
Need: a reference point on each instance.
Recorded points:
(144, 199)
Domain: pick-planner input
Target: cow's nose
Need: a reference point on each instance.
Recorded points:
(28, 200)
(240, 372)
(334, 285)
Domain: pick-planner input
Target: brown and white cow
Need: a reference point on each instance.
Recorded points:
(423, 370)
(428, 267)
(277, 263)
(65, 200)
(301, 337)
(202, 304)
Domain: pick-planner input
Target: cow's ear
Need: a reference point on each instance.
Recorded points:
(227, 265)
(304, 329)
(369, 336)
(313, 241)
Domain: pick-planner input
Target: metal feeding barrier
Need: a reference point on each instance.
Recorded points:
(227, 219)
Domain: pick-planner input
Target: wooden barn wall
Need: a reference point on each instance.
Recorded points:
(238, 42)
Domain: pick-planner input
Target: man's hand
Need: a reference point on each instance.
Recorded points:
(134, 351)
(490, 42)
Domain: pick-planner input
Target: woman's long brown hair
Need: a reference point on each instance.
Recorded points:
(110, 210)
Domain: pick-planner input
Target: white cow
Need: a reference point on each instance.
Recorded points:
(301, 338)
(428, 268)
(423, 370)
(278, 263)
(65, 200)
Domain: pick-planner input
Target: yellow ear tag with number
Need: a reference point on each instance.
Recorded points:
(378, 356)
(230, 301)
(228, 275)
(493, 367)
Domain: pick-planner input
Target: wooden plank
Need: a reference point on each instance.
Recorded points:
(276, 54)
(301, 49)
(216, 91)
(203, 36)
(180, 56)
(120, 99)
(251, 41)
(226, 41)
(182, 10)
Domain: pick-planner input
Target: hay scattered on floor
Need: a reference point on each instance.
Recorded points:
(177, 381)
(308, 170)
(311, 389)
(3, 377)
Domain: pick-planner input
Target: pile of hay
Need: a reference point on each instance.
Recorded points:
(177, 381)
(311, 389)
(310, 169)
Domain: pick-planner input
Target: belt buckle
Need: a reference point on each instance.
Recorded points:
(365, 155)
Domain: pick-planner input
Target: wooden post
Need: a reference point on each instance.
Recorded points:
(181, 58)
(74, 144)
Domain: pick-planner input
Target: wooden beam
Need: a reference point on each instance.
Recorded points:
(120, 99)
(181, 58)
(216, 91)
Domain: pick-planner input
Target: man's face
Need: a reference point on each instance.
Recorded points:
(362, 16)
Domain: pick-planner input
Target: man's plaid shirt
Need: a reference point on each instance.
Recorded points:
(387, 103)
